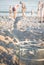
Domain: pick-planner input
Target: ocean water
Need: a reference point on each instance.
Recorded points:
(30, 5)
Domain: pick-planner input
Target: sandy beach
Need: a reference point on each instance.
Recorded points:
(22, 43)
(21, 32)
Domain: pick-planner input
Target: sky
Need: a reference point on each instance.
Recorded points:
(30, 4)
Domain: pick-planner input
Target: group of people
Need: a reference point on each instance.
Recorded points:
(41, 10)
(13, 10)
(23, 6)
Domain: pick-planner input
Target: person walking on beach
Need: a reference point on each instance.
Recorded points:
(32, 12)
(23, 8)
(10, 11)
(40, 10)
(43, 12)
(14, 9)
